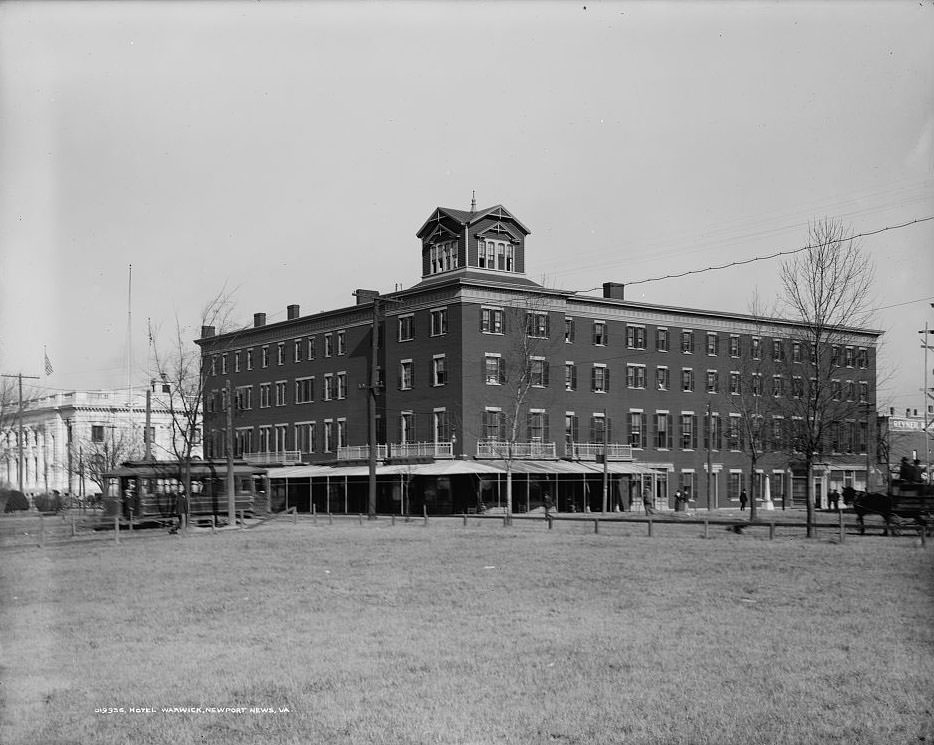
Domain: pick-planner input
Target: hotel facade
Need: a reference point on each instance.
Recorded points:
(478, 371)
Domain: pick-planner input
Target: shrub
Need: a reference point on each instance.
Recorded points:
(13, 500)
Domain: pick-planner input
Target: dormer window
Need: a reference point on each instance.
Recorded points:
(442, 257)
(499, 255)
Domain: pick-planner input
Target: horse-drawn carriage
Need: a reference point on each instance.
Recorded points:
(907, 503)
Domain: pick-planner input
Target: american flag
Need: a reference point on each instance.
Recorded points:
(48, 364)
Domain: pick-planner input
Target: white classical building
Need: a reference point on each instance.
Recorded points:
(101, 424)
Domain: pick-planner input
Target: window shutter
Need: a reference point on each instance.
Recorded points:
(593, 381)
(484, 424)
(593, 429)
(574, 377)
(609, 429)
(593, 334)
(694, 431)
(545, 367)
(606, 333)
(501, 367)
(501, 420)
(481, 319)
(547, 326)
(528, 427)
(546, 437)
(670, 431)
(572, 330)
(606, 379)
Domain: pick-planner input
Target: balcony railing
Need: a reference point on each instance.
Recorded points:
(360, 452)
(594, 451)
(422, 449)
(285, 457)
(520, 450)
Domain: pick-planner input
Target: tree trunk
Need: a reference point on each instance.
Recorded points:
(809, 497)
(752, 489)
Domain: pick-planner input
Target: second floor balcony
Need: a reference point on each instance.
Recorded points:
(517, 450)
(281, 457)
(441, 449)
(594, 451)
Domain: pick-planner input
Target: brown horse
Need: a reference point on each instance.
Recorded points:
(891, 507)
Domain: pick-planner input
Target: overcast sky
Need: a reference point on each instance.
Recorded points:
(290, 151)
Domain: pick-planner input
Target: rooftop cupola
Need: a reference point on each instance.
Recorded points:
(489, 240)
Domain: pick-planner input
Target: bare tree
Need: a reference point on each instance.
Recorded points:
(826, 288)
(516, 372)
(180, 367)
(104, 456)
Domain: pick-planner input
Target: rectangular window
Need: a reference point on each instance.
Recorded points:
(713, 381)
(863, 391)
(407, 427)
(835, 390)
(491, 320)
(734, 485)
(849, 357)
(312, 347)
(735, 346)
(571, 428)
(537, 425)
(778, 385)
(329, 388)
(492, 425)
(796, 351)
(441, 428)
(237, 361)
(341, 433)
(280, 353)
(264, 391)
(265, 439)
(635, 337)
(662, 378)
(663, 430)
(97, 433)
(797, 386)
(280, 393)
(328, 436)
(688, 431)
(297, 351)
(494, 371)
(599, 333)
(734, 433)
(281, 433)
(661, 340)
(570, 376)
(341, 380)
(245, 398)
(862, 358)
(537, 325)
(637, 429)
(568, 330)
(249, 359)
(778, 350)
(635, 376)
(439, 375)
(406, 327)
(757, 384)
(734, 383)
(713, 344)
(305, 437)
(687, 379)
(341, 344)
(687, 342)
(406, 375)
(439, 321)
(304, 390)
(329, 345)
(600, 379)
(756, 348)
(213, 365)
(713, 432)
(264, 360)
(538, 372)
(601, 429)
(223, 364)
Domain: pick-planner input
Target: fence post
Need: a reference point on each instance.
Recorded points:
(772, 531)
(923, 529)
(74, 531)
(360, 518)
(465, 519)
(294, 515)
(393, 519)
(241, 519)
(116, 528)
(131, 518)
(842, 531)
(314, 515)
(41, 530)
(425, 512)
(551, 521)
(596, 525)
(213, 524)
(650, 527)
(706, 528)
(330, 519)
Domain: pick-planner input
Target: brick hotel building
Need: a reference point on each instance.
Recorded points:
(604, 374)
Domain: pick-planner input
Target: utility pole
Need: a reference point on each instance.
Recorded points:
(605, 473)
(147, 438)
(709, 447)
(19, 430)
(231, 499)
(925, 398)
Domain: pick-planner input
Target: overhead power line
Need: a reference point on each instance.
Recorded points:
(775, 255)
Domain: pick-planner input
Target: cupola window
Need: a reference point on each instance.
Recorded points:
(442, 257)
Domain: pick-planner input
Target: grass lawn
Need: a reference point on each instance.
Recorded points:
(368, 633)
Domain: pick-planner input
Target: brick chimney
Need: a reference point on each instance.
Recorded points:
(259, 319)
(291, 312)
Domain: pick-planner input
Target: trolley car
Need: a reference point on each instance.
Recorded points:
(153, 491)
